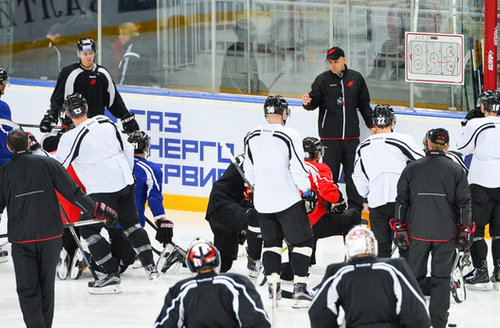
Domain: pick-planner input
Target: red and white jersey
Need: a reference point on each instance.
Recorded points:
(321, 179)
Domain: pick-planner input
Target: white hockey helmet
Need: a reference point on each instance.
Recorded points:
(360, 241)
(201, 255)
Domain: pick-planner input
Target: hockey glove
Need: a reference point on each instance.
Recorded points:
(400, 236)
(248, 194)
(242, 237)
(310, 199)
(129, 123)
(46, 123)
(165, 230)
(465, 236)
(102, 211)
(33, 143)
(341, 205)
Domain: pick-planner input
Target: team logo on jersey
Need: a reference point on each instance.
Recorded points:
(333, 85)
(351, 83)
(93, 82)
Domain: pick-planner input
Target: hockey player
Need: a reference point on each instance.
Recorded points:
(395, 300)
(5, 154)
(103, 160)
(329, 217)
(280, 176)
(229, 213)
(481, 138)
(339, 93)
(229, 300)
(433, 214)
(27, 188)
(94, 83)
(148, 187)
(380, 159)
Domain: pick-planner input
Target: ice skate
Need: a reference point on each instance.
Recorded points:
(152, 272)
(478, 279)
(302, 295)
(278, 291)
(110, 284)
(62, 268)
(78, 265)
(254, 267)
(4, 255)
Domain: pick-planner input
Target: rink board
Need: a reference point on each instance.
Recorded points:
(186, 130)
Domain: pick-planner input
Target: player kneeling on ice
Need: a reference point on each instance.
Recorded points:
(211, 299)
(103, 160)
(373, 292)
(28, 185)
(329, 217)
(230, 211)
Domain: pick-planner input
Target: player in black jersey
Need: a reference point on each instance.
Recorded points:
(94, 82)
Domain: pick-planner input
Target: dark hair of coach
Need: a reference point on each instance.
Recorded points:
(17, 140)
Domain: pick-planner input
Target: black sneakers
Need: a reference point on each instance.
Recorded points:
(110, 284)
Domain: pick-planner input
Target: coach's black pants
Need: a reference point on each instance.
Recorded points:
(35, 266)
(441, 265)
(343, 152)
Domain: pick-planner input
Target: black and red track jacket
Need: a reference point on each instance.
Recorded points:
(27, 188)
(339, 98)
(434, 197)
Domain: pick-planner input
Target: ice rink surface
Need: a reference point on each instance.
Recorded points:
(141, 300)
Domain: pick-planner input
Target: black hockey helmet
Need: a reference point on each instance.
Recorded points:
(383, 115)
(4, 77)
(312, 147)
(438, 136)
(75, 105)
(140, 141)
(490, 99)
(276, 105)
(201, 255)
(86, 44)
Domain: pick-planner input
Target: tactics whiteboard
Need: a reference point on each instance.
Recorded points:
(434, 58)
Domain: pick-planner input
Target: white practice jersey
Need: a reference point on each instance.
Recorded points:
(379, 161)
(101, 156)
(275, 166)
(481, 138)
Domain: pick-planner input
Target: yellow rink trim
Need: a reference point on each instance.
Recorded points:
(366, 216)
(185, 203)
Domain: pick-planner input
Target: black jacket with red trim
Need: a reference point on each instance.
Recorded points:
(336, 121)
(434, 197)
(27, 188)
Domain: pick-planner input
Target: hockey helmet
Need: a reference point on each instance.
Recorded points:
(276, 105)
(86, 44)
(490, 99)
(140, 141)
(383, 115)
(438, 136)
(312, 147)
(4, 77)
(201, 255)
(360, 241)
(75, 105)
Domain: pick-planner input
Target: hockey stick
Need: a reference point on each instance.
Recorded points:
(77, 241)
(233, 160)
(14, 125)
(457, 283)
(83, 223)
(176, 247)
(4, 235)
